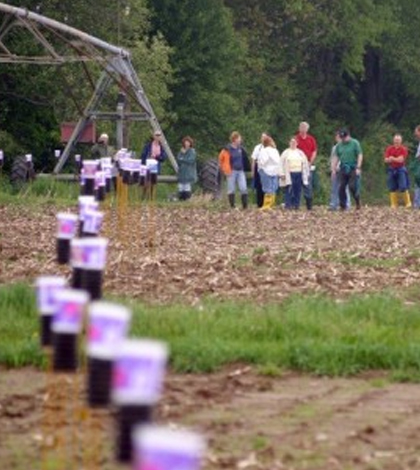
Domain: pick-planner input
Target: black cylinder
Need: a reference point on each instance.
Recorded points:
(89, 187)
(46, 334)
(153, 178)
(100, 193)
(80, 229)
(65, 352)
(88, 235)
(91, 282)
(126, 177)
(108, 186)
(128, 417)
(63, 250)
(99, 382)
(76, 278)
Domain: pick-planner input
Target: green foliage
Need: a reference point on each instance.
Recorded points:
(210, 67)
(35, 99)
(207, 68)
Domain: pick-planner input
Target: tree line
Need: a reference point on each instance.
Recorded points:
(213, 66)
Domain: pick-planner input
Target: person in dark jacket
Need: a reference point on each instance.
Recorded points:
(187, 168)
(154, 150)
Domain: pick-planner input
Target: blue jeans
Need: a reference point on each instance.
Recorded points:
(270, 184)
(237, 178)
(308, 190)
(293, 192)
(416, 197)
(334, 199)
(397, 180)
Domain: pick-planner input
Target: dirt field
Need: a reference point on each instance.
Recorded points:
(254, 422)
(251, 422)
(170, 254)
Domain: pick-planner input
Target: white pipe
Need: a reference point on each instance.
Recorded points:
(24, 13)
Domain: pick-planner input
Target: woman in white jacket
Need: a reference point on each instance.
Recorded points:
(269, 170)
(294, 174)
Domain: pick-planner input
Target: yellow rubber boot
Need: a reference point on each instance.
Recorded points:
(273, 201)
(407, 199)
(393, 197)
(267, 202)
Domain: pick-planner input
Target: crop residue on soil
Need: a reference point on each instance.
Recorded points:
(172, 253)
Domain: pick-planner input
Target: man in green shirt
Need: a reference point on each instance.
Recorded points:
(348, 158)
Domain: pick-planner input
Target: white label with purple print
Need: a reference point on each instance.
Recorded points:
(94, 253)
(161, 459)
(67, 226)
(152, 165)
(90, 167)
(105, 335)
(68, 317)
(46, 289)
(92, 222)
(138, 380)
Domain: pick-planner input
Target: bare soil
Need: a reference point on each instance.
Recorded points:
(249, 421)
(183, 254)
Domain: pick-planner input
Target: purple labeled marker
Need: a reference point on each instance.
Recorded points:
(138, 376)
(159, 448)
(66, 326)
(107, 328)
(46, 289)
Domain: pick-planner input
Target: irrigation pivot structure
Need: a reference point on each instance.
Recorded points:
(60, 44)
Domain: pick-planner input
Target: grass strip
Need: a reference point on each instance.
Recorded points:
(311, 334)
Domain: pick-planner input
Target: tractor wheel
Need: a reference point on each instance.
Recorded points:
(211, 178)
(22, 172)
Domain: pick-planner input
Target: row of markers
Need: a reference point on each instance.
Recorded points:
(96, 175)
(125, 373)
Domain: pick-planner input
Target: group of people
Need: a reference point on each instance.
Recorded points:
(290, 172)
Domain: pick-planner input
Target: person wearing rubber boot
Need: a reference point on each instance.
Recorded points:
(187, 168)
(269, 170)
(233, 162)
(307, 143)
(347, 164)
(397, 174)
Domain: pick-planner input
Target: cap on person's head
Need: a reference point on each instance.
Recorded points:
(343, 133)
(103, 137)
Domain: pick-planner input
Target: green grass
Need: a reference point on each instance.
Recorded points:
(42, 191)
(47, 190)
(18, 327)
(308, 334)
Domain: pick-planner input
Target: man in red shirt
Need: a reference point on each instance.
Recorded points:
(397, 179)
(307, 143)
